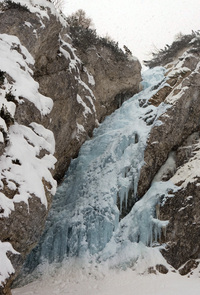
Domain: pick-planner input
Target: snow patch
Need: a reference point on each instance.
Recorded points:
(190, 171)
(87, 109)
(17, 65)
(6, 268)
(168, 167)
(41, 9)
(173, 98)
(28, 24)
(21, 164)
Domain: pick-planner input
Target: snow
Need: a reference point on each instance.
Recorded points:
(18, 66)
(21, 164)
(6, 205)
(70, 54)
(172, 98)
(80, 129)
(1, 137)
(91, 102)
(190, 171)
(113, 282)
(2, 123)
(7, 268)
(91, 80)
(40, 8)
(87, 109)
(28, 24)
(168, 167)
(178, 70)
(48, 141)
(75, 64)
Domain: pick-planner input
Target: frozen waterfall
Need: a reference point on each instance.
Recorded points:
(100, 188)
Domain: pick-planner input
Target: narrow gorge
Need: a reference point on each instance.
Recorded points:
(99, 162)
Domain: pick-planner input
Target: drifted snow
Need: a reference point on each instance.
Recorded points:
(168, 167)
(71, 280)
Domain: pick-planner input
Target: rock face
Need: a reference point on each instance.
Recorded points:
(48, 95)
(174, 141)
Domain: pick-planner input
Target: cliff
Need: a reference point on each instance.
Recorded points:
(172, 152)
(51, 101)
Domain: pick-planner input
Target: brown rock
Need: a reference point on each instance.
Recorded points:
(161, 268)
(188, 267)
(182, 233)
(178, 122)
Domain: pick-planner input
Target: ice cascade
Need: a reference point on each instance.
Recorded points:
(100, 187)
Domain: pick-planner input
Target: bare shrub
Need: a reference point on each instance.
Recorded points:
(84, 35)
(164, 56)
(80, 19)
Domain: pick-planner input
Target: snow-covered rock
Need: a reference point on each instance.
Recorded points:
(178, 135)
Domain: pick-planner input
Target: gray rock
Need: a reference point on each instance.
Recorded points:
(178, 133)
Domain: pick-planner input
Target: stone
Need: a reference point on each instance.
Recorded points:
(188, 267)
(162, 268)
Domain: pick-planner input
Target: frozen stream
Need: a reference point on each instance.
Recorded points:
(101, 185)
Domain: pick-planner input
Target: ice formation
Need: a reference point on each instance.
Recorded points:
(85, 216)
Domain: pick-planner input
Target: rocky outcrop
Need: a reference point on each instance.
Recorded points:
(95, 86)
(172, 154)
(48, 95)
(182, 211)
(177, 123)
